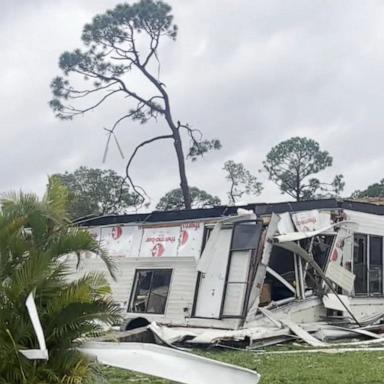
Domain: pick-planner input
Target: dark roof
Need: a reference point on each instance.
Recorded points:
(295, 206)
(221, 211)
(162, 216)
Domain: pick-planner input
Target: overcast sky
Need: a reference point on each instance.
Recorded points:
(249, 72)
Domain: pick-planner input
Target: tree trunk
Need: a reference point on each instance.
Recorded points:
(183, 176)
(180, 157)
(298, 182)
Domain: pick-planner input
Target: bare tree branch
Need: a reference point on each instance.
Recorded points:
(83, 93)
(128, 177)
(71, 111)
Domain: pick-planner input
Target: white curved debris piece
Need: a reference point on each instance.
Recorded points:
(35, 354)
(295, 236)
(167, 363)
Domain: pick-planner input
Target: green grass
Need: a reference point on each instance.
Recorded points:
(310, 368)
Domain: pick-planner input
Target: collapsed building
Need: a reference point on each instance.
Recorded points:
(259, 274)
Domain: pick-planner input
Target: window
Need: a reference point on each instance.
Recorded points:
(360, 263)
(151, 288)
(246, 235)
(375, 264)
(368, 264)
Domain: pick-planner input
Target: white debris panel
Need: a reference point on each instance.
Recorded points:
(35, 354)
(171, 364)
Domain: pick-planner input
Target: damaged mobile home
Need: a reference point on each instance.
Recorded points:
(231, 273)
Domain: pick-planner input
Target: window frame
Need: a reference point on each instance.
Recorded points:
(370, 266)
(253, 255)
(135, 285)
(367, 250)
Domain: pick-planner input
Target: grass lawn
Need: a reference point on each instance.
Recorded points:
(341, 368)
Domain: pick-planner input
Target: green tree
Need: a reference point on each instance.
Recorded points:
(291, 163)
(199, 199)
(241, 181)
(97, 192)
(34, 237)
(373, 190)
(122, 44)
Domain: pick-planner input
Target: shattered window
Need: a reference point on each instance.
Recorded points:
(281, 261)
(151, 288)
(321, 247)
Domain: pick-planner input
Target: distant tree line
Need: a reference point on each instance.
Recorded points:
(291, 165)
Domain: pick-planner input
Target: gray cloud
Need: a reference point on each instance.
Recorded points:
(249, 72)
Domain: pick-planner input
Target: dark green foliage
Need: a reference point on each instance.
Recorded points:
(94, 191)
(291, 163)
(198, 149)
(34, 237)
(242, 181)
(373, 190)
(174, 199)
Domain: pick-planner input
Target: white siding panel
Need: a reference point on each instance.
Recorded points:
(182, 286)
(367, 223)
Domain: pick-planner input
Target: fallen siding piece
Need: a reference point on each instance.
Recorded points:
(213, 336)
(303, 334)
(369, 321)
(169, 363)
(329, 334)
(166, 336)
(330, 301)
(269, 316)
(336, 332)
(362, 332)
(256, 333)
(272, 341)
(325, 350)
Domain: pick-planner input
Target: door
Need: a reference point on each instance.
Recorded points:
(211, 279)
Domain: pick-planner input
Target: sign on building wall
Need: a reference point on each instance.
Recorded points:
(160, 241)
(121, 240)
(308, 221)
(183, 240)
(190, 240)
